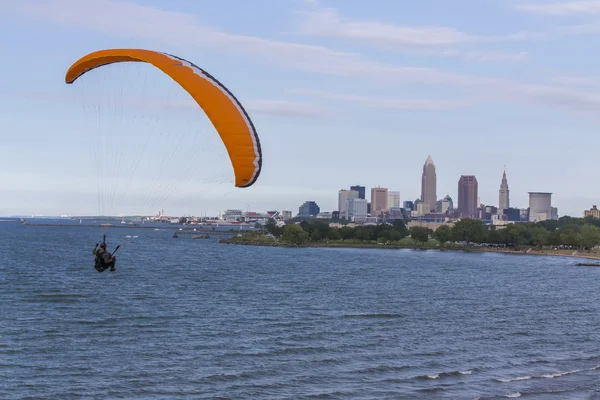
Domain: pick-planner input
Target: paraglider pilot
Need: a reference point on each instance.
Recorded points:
(104, 259)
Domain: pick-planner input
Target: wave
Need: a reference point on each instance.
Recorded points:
(368, 315)
(518, 378)
(546, 376)
(445, 374)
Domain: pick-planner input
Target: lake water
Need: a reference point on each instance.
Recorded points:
(184, 318)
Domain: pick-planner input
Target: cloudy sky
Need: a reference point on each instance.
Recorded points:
(341, 92)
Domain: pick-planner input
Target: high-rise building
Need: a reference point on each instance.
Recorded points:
(446, 205)
(393, 200)
(429, 185)
(467, 196)
(379, 199)
(540, 206)
(360, 190)
(309, 208)
(343, 197)
(504, 199)
(356, 210)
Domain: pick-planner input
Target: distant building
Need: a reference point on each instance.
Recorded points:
(408, 205)
(393, 200)
(379, 201)
(512, 214)
(356, 210)
(429, 185)
(430, 225)
(360, 190)
(592, 212)
(324, 215)
(540, 206)
(503, 194)
(286, 215)
(467, 196)
(232, 215)
(446, 205)
(343, 197)
(308, 209)
(486, 212)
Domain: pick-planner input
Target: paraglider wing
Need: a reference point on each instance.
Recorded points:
(225, 112)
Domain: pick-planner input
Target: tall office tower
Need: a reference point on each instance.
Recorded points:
(467, 196)
(393, 200)
(343, 197)
(379, 199)
(429, 185)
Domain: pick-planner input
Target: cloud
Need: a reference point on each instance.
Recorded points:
(562, 7)
(327, 22)
(128, 19)
(287, 108)
(386, 102)
(496, 56)
(268, 107)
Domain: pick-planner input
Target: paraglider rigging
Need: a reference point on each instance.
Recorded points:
(226, 114)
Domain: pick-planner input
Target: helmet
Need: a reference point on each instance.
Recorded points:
(103, 246)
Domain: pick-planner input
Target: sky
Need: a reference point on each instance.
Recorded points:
(341, 93)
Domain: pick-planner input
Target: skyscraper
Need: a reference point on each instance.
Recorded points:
(343, 197)
(379, 201)
(393, 200)
(360, 190)
(540, 206)
(467, 196)
(504, 200)
(429, 185)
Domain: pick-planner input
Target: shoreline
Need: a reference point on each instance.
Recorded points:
(569, 253)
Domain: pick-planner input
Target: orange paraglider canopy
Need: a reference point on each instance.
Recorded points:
(222, 108)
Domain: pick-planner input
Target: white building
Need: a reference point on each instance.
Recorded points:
(232, 215)
(356, 210)
(540, 206)
(343, 197)
(393, 200)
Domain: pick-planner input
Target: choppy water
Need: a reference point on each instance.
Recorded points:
(195, 319)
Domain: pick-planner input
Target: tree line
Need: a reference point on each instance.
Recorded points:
(583, 233)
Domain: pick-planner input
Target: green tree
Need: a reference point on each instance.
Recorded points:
(334, 234)
(494, 236)
(273, 229)
(293, 233)
(400, 227)
(516, 234)
(346, 232)
(316, 236)
(443, 234)
(570, 237)
(469, 230)
(419, 234)
(539, 236)
(589, 236)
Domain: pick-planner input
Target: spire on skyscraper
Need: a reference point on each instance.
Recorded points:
(503, 193)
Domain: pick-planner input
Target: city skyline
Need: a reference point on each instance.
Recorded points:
(330, 87)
